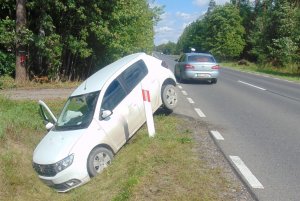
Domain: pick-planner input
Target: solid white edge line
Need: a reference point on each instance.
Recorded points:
(217, 135)
(184, 93)
(200, 113)
(251, 85)
(244, 170)
(190, 100)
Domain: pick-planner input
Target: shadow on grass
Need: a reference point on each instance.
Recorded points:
(162, 112)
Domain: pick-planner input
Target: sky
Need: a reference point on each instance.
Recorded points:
(177, 15)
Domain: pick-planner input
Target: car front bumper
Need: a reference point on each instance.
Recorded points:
(71, 177)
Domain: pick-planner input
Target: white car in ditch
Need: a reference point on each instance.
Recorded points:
(98, 118)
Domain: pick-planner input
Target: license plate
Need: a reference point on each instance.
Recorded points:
(201, 75)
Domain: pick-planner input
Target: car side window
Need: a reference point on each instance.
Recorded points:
(113, 96)
(182, 58)
(134, 74)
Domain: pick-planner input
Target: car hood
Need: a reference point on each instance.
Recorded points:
(56, 145)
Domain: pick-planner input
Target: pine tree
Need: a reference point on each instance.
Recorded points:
(212, 4)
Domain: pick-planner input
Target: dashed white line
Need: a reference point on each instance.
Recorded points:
(190, 100)
(184, 93)
(217, 135)
(200, 113)
(180, 87)
(245, 171)
(251, 85)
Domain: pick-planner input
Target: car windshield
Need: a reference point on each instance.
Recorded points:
(78, 112)
(201, 58)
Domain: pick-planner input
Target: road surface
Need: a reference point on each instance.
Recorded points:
(256, 122)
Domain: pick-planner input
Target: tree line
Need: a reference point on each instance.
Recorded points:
(263, 31)
(69, 39)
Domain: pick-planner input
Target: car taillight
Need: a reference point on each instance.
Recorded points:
(189, 67)
(217, 67)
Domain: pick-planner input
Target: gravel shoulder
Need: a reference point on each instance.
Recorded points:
(36, 94)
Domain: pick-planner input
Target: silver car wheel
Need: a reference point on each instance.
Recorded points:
(98, 160)
(169, 97)
(101, 161)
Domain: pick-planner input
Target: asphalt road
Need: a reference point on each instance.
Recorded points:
(259, 119)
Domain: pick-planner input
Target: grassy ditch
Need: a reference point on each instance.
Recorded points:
(288, 73)
(167, 167)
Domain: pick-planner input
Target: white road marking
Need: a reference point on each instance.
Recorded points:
(190, 100)
(251, 85)
(184, 93)
(180, 87)
(244, 170)
(217, 135)
(200, 113)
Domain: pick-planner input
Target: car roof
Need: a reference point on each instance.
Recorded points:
(196, 53)
(96, 81)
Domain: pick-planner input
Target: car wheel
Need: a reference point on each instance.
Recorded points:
(214, 81)
(169, 97)
(98, 159)
(180, 78)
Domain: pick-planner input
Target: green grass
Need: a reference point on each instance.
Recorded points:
(288, 73)
(166, 167)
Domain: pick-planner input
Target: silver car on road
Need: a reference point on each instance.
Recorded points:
(197, 66)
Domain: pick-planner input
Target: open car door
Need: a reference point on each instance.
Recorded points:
(48, 116)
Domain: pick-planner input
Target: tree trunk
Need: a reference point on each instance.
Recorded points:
(21, 73)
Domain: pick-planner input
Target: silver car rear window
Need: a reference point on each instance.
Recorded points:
(201, 58)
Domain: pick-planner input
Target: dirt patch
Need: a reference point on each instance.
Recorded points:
(37, 94)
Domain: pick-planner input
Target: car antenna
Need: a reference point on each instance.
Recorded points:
(88, 73)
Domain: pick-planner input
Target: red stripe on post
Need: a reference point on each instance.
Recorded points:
(146, 95)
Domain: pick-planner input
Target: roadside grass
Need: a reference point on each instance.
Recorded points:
(166, 167)
(288, 73)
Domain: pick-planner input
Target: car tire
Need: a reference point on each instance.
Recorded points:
(169, 97)
(180, 79)
(98, 160)
(214, 81)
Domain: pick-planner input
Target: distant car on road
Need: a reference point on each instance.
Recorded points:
(197, 66)
(99, 117)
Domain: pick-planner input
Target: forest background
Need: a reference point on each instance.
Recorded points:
(67, 40)
(265, 32)
(70, 39)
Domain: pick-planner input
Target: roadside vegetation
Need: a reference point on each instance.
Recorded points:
(263, 32)
(69, 40)
(284, 73)
(171, 166)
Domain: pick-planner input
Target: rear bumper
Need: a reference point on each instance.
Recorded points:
(200, 75)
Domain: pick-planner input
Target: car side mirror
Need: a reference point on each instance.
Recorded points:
(49, 126)
(105, 114)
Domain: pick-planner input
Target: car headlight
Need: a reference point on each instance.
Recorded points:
(64, 163)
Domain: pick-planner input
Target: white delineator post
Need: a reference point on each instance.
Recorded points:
(148, 112)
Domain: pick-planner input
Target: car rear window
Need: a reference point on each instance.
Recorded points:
(134, 74)
(201, 58)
